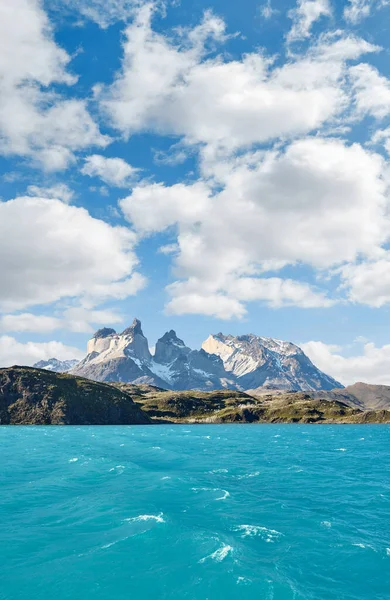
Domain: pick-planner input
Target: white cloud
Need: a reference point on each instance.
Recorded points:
(266, 10)
(304, 15)
(13, 352)
(58, 191)
(102, 12)
(357, 10)
(382, 136)
(58, 251)
(29, 322)
(244, 102)
(371, 366)
(34, 121)
(113, 171)
(372, 91)
(77, 319)
(318, 202)
(368, 282)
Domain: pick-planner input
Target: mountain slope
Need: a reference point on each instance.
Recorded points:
(31, 396)
(258, 362)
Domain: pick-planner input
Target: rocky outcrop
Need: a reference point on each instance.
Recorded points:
(31, 396)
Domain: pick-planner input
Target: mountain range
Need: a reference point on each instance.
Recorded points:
(223, 362)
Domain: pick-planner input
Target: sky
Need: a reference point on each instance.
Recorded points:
(202, 165)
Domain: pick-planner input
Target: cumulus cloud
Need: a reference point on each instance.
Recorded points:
(304, 15)
(29, 322)
(58, 251)
(58, 191)
(244, 101)
(113, 171)
(77, 319)
(372, 91)
(370, 366)
(34, 121)
(368, 282)
(13, 352)
(319, 202)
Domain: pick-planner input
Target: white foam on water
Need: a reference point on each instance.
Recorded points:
(225, 493)
(269, 535)
(73, 460)
(243, 580)
(326, 524)
(158, 518)
(118, 469)
(167, 477)
(387, 551)
(218, 471)
(112, 544)
(224, 496)
(248, 475)
(219, 555)
(341, 449)
(156, 447)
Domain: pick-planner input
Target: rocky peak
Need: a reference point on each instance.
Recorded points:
(169, 347)
(103, 333)
(134, 329)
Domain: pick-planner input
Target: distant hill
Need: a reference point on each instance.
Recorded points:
(31, 396)
(59, 366)
(363, 396)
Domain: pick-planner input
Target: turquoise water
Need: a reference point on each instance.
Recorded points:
(195, 512)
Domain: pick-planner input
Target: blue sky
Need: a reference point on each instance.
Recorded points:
(204, 166)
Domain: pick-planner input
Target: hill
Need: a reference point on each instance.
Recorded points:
(31, 396)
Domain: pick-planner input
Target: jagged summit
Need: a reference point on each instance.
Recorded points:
(134, 329)
(170, 336)
(224, 361)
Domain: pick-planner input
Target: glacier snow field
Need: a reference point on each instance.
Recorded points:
(197, 512)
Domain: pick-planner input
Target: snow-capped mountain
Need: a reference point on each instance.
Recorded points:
(126, 357)
(244, 362)
(59, 366)
(259, 362)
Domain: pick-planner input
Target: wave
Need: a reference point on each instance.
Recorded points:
(248, 475)
(73, 460)
(326, 524)
(214, 471)
(158, 518)
(269, 535)
(225, 493)
(219, 555)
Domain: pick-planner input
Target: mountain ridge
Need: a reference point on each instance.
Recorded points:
(223, 362)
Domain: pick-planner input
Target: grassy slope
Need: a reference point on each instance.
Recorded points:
(230, 406)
